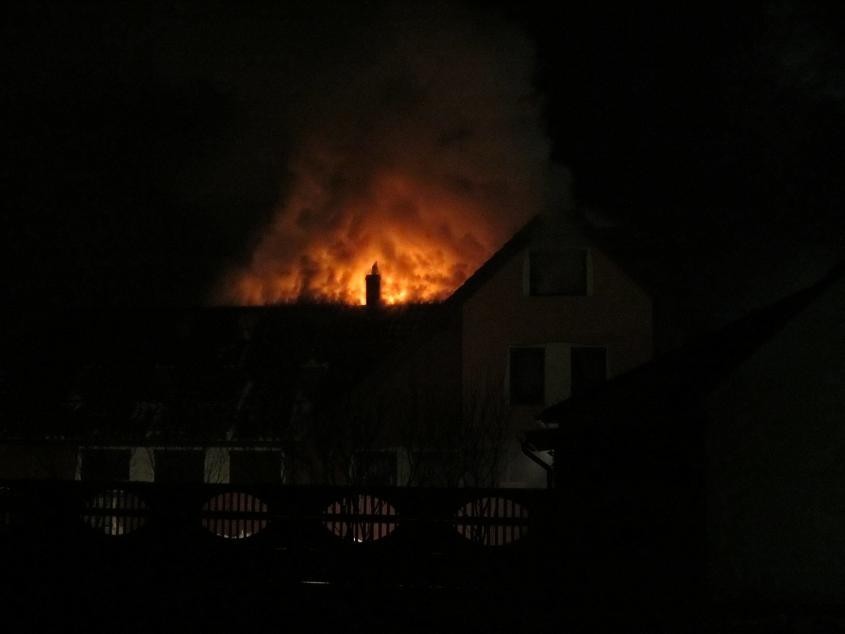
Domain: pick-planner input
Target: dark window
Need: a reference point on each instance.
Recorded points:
(527, 376)
(375, 468)
(179, 465)
(589, 368)
(435, 468)
(562, 272)
(251, 467)
(105, 465)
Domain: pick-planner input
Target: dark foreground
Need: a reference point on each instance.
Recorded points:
(166, 559)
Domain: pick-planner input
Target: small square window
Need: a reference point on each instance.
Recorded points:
(251, 467)
(375, 468)
(527, 376)
(559, 272)
(432, 468)
(179, 465)
(105, 465)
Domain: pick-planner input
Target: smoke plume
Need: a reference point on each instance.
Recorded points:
(416, 140)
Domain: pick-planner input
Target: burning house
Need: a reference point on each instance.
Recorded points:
(389, 394)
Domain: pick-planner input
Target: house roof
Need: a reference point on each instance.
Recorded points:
(642, 256)
(166, 376)
(693, 369)
(518, 241)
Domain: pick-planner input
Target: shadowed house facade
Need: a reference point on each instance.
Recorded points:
(550, 315)
(229, 395)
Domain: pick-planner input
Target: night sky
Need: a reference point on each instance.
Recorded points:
(148, 148)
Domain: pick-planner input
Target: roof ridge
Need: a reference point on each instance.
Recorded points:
(493, 263)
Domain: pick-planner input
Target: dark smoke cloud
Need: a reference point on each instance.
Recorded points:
(156, 147)
(439, 97)
(152, 150)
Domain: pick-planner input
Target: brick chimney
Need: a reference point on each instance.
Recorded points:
(374, 288)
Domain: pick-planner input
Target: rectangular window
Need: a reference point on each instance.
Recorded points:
(431, 468)
(179, 465)
(589, 368)
(105, 465)
(375, 468)
(254, 467)
(558, 272)
(527, 376)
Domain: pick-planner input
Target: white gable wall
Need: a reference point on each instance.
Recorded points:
(615, 313)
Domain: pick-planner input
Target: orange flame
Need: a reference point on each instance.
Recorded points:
(427, 240)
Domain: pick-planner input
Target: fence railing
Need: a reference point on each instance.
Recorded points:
(276, 516)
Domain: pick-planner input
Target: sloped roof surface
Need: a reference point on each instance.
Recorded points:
(188, 375)
(520, 240)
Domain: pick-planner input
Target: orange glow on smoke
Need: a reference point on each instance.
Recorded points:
(426, 239)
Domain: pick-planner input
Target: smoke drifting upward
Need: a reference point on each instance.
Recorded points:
(417, 143)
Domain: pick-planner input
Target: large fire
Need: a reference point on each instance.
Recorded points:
(416, 142)
(426, 239)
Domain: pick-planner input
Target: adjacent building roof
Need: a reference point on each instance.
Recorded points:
(694, 369)
(198, 375)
